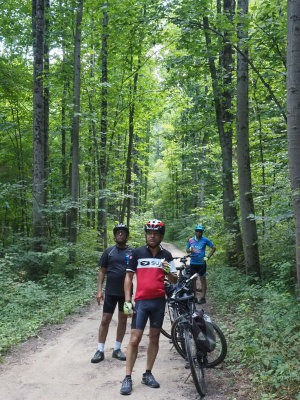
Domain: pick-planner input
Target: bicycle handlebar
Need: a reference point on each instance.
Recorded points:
(181, 299)
(185, 289)
(180, 257)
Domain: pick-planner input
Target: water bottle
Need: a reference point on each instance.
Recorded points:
(127, 258)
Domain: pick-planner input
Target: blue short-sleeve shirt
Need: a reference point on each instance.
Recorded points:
(199, 245)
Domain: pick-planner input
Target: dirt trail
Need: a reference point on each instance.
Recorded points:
(56, 365)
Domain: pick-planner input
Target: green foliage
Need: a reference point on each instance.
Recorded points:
(26, 306)
(176, 162)
(262, 330)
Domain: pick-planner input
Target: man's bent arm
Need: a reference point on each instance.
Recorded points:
(213, 249)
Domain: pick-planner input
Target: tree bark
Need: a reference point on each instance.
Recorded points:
(39, 141)
(250, 239)
(293, 113)
(128, 178)
(102, 203)
(46, 98)
(75, 130)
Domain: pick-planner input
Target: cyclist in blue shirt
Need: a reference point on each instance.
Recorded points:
(196, 247)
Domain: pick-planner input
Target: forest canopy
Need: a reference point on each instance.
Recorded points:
(120, 111)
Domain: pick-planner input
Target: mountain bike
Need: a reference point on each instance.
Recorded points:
(173, 309)
(181, 302)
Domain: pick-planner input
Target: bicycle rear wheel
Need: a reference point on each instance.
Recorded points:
(218, 355)
(177, 335)
(195, 361)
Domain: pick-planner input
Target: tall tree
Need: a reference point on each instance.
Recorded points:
(250, 239)
(75, 129)
(126, 209)
(223, 100)
(39, 132)
(102, 204)
(46, 93)
(293, 113)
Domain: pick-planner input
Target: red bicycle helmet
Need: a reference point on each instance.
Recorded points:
(155, 225)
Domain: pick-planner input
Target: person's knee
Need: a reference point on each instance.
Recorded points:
(106, 318)
(135, 338)
(122, 317)
(154, 335)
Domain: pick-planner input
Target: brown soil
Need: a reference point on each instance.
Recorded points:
(56, 365)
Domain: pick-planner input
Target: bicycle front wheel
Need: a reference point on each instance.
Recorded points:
(195, 361)
(218, 355)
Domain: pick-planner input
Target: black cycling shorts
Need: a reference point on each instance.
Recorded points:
(110, 303)
(154, 309)
(199, 268)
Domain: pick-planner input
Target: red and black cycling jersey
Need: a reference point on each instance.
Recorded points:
(149, 272)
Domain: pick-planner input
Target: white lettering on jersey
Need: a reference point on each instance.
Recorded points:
(149, 263)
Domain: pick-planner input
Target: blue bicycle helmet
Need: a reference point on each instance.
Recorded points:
(199, 228)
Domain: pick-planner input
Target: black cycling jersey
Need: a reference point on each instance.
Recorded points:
(114, 260)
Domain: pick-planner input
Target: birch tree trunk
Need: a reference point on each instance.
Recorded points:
(293, 113)
(249, 236)
(38, 189)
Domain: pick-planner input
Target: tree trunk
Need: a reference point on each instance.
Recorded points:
(250, 239)
(235, 247)
(293, 113)
(262, 161)
(102, 212)
(39, 185)
(128, 178)
(75, 130)
(46, 98)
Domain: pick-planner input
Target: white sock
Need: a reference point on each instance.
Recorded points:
(101, 346)
(117, 346)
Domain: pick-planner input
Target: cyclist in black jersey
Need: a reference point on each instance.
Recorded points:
(113, 263)
(151, 264)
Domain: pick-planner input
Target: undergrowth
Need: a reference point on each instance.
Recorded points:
(263, 332)
(26, 306)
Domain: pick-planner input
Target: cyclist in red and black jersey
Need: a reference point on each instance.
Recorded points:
(151, 263)
(113, 263)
